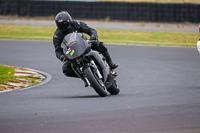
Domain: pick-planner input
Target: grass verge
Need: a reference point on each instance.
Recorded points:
(108, 36)
(7, 75)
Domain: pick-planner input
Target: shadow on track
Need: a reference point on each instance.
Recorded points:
(86, 96)
(90, 96)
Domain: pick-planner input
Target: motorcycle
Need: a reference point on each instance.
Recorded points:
(89, 65)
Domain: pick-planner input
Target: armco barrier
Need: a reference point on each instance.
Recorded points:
(152, 12)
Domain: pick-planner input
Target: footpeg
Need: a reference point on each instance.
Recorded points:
(114, 74)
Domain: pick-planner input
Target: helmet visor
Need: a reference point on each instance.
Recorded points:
(63, 26)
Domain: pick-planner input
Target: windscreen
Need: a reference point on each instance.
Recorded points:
(70, 39)
(74, 45)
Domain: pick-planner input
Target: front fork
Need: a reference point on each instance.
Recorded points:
(85, 78)
(80, 74)
(96, 69)
(93, 66)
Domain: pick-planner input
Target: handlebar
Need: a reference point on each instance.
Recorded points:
(90, 41)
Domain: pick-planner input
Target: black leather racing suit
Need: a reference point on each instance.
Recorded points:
(58, 37)
(76, 26)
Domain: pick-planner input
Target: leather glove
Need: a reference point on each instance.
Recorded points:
(62, 58)
(93, 37)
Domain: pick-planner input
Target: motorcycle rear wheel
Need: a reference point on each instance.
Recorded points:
(114, 89)
(95, 82)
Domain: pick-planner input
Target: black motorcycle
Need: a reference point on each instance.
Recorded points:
(89, 65)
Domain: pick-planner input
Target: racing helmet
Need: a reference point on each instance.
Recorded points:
(63, 20)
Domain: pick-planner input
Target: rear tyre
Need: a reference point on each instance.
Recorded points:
(95, 82)
(114, 89)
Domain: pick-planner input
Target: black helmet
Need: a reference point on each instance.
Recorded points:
(63, 20)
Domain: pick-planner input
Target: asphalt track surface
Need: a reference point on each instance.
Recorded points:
(160, 93)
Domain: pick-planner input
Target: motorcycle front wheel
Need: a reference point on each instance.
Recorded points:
(95, 82)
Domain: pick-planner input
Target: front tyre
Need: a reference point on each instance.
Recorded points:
(95, 82)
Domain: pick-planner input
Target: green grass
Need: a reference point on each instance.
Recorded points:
(150, 37)
(26, 32)
(108, 36)
(6, 74)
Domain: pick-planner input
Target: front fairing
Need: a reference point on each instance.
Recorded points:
(74, 45)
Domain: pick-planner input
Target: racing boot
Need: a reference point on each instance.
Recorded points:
(112, 65)
(109, 60)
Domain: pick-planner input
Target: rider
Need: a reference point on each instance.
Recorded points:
(66, 25)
